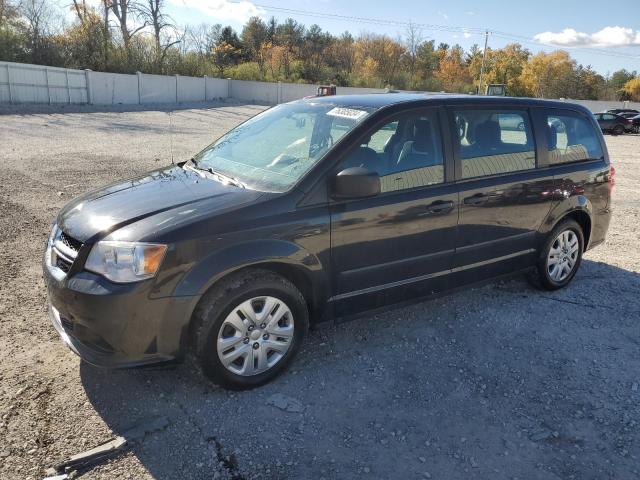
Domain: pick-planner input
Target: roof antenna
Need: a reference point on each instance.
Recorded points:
(171, 137)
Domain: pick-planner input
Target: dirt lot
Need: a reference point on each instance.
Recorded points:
(499, 382)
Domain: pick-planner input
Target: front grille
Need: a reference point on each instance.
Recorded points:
(64, 252)
(62, 264)
(70, 242)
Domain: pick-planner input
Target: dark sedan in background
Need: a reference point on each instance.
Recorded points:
(635, 121)
(620, 111)
(613, 123)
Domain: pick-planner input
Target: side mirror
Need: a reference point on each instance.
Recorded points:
(355, 182)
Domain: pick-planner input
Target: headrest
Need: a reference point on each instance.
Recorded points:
(552, 136)
(422, 136)
(488, 133)
(421, 128)
(363, 157)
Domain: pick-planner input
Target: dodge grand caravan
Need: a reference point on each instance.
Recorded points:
(322, 209)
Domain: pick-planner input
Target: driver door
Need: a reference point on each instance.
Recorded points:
(400, 243)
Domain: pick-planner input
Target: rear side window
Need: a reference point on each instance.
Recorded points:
(493, 142)
(571, 138)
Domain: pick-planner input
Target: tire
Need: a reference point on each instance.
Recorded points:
(223, 321)
(546, 275)
(618, 130)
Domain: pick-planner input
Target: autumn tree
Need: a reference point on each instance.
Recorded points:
(632, 89)
(548, 75)
(228, 50)
(378, 58)
(254, 35)
(505, 67)
(289, 35)
(341, 58)
(452, 71)
(84, 43)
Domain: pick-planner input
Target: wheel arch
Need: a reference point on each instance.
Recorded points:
(576, 208)
(583, 219)
(287, 259)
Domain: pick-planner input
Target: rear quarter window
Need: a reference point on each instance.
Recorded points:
(571, 138)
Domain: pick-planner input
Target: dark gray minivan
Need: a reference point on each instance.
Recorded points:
(322, 209)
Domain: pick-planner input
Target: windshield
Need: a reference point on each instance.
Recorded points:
(274, 149)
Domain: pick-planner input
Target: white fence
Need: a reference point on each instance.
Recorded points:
(23, 83)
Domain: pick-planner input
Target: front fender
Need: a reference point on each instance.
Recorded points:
(251, 253)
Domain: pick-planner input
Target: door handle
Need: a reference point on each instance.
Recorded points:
(440, 206)
(477, 199)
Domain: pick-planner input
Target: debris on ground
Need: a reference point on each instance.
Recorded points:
(285, 403)
(85, 460)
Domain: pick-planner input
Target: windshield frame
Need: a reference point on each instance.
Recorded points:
(249, 183)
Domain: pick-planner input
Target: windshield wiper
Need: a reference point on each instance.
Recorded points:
(221, 176)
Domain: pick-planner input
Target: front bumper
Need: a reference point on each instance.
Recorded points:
(114, 325)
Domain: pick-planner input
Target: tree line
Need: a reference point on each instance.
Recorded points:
(126, 36)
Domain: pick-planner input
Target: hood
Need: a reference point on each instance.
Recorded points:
(113, 207)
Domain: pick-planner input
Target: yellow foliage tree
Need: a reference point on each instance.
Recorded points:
(453, 72)
(632, 89)
(548, 75)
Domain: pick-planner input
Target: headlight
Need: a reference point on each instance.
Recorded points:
(125, 262)
(50, 240)
(52, 235)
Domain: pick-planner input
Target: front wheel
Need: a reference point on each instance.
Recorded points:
(249, 328)
(618, 130)
(560, 256)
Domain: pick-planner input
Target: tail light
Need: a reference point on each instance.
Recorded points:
(612, 178)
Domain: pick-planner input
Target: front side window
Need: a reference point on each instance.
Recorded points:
(571, 138)
(274, 149)
(405, 152)
(493, 142)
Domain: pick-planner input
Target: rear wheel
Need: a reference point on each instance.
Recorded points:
(249, 328)
(560, 256)
(618, 130)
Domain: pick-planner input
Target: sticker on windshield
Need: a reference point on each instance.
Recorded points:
(351, 113)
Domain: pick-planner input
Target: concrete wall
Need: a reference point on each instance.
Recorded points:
(156, 88)
(217, 88)
(113, 88)
(23, 83)
(603, 105)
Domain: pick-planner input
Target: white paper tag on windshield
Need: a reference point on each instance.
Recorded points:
(342, 112)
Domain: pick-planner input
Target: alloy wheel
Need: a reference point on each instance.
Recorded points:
(255, 336)
(563, 256)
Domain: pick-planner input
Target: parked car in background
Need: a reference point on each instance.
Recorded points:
(612, 123)
(618, 111)
(322, 209)
(635, 119)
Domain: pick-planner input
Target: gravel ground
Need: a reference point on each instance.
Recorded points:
(498, 382)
